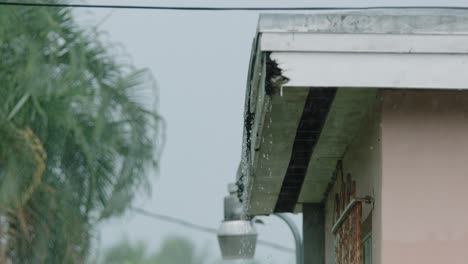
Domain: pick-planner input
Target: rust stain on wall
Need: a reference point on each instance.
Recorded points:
(348, 235)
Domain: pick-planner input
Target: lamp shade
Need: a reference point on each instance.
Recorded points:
(237, 239)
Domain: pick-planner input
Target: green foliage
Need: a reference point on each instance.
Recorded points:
(76, 140)
(174, 250)
(126, 253)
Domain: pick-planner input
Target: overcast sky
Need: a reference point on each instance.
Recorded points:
(200, 61)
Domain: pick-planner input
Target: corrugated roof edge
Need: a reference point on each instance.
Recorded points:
(376, 21)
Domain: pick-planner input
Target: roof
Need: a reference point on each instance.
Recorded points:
(301, 112)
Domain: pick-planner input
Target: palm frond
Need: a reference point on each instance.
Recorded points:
(76, 138)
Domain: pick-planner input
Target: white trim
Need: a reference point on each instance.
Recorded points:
(389, 43)
(377, 70)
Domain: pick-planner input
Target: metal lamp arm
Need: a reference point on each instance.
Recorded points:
(297, 236)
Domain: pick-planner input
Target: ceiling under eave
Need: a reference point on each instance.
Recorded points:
(269, 189)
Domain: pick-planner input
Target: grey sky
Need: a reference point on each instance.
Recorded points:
(200, 61)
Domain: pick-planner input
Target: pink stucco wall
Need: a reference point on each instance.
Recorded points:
(424, 199)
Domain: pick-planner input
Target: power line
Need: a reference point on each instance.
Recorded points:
(174, 220)
(201, 228)
(199, 8)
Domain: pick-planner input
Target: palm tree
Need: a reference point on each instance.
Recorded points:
(76, 140)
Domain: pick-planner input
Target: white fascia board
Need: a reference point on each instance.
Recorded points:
(366, 43)
(377, 70)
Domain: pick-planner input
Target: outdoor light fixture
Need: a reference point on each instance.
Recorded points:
(237, 239)
(237, 236)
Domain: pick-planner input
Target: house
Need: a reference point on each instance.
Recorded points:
(359, 120)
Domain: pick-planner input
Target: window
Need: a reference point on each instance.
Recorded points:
(367, 249)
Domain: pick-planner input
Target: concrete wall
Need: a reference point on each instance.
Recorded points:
(362, 161)
(424, 177)
(314, 233)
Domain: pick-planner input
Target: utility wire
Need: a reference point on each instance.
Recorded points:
(174, 220)
(198, 8)
(205, 229)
